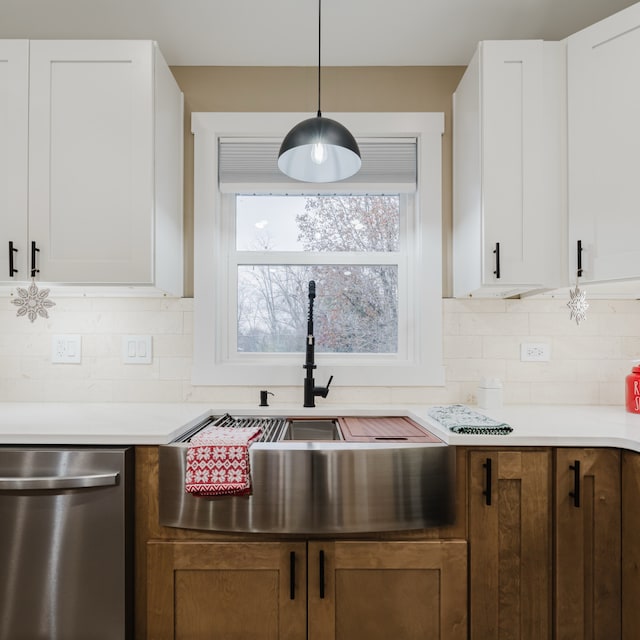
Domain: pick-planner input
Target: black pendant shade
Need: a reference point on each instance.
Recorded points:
(319, 150)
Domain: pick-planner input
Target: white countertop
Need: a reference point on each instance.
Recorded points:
(158, 423)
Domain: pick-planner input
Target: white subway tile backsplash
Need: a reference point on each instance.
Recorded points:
(586, 348)
(603, 371)
(619, 324)
(173, 345)
(147, 390)
(554, 370)
(517, 393)
(612, 393)
(462, 347)
(503, 347)
(491, 324)
(481, 339)
(565, 392)
(172, 368)
(559, 324)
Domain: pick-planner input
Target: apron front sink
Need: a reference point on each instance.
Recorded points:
(322, 476)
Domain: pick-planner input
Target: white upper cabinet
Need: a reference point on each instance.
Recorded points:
(508, 231)
(105, 121)
(14, 135)
(603, 72)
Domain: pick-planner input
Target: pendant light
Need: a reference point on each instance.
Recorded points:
(319, 149)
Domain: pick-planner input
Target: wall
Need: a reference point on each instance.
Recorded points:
(295, 89)
(482, 338)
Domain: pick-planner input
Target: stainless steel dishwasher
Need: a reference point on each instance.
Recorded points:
(66, 543)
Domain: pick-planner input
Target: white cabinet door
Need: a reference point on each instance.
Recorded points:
(604, 148)
(91, 168)
(508, 231)
(14, 101)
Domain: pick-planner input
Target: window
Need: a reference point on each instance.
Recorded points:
(373, 247)
(349, 245)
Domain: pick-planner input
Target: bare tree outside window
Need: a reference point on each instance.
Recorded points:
(357, 304)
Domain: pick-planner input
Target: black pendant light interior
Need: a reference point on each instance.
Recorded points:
(319, 149)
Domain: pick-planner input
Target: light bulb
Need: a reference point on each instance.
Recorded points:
(318, 153)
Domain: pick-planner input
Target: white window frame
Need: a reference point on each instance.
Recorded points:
(419, 358)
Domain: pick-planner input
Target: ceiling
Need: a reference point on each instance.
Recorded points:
(284, 32)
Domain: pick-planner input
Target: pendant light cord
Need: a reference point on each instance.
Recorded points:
(319, 51)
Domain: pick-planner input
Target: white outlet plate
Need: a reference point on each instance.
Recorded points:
(137, 350)
(535, 352)
(66, 349)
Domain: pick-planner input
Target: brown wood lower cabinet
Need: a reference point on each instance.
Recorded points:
(356, 590)
(226, 590)
(510, 573)
(630, 545)
(383, 590)
(552, 536)
(588, 544)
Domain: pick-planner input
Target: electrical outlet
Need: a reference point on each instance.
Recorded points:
(66, 349)
(137, 350)
(535, 352)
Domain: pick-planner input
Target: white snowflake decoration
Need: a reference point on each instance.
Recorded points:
(578, 305)
(33, 302)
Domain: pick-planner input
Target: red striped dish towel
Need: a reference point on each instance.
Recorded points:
(218, 461)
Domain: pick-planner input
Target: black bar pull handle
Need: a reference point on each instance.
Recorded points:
(34, 252)
(497, 252)
(579, 259)
(321, 573)
(12, 250)
(575, 494)
(292, 575)
(487, 483)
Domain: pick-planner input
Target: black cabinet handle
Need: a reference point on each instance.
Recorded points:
(497, 252)
(292, 575)
(321, 572)
(575, 494)
(579, 260)
(34, 252)
(12, 250)
(487, 483)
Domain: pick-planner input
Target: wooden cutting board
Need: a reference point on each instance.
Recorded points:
(384, 429)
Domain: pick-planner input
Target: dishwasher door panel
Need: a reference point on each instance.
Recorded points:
(65, 565)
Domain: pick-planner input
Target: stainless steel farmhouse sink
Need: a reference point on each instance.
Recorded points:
(307, 478)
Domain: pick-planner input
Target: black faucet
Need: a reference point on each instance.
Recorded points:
(310, 390)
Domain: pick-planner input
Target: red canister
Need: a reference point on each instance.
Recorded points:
(632, 389)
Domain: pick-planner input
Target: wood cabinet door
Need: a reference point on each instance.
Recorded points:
(91, 169)
(231, 591)
(630, 544)
(14, 112)
(510, 544)
(383, 590)
(603, 62)
(587, 544)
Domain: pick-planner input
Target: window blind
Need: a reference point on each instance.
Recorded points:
(251, 166)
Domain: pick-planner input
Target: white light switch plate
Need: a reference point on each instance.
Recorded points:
(66, 349)
(137, 350)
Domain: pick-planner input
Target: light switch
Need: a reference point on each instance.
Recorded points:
(137, 350)
(66, 349)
